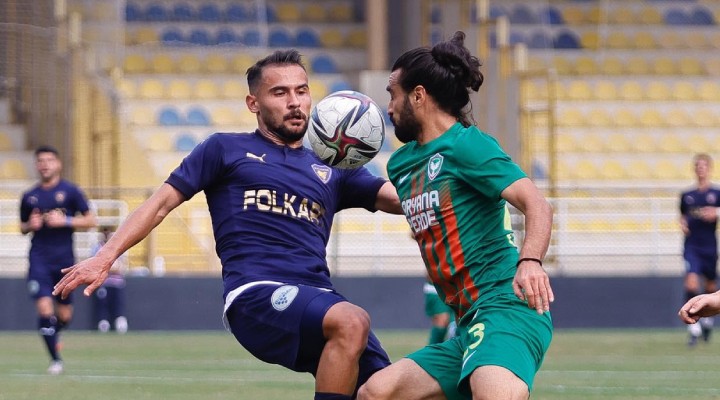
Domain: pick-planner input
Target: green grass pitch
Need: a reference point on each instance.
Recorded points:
(581, 364)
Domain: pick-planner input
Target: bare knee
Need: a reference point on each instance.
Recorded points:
(348, 326)
(373, 389)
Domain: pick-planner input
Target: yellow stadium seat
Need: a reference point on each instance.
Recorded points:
(332, 38)
(690, 66)
(697, 143)
(189, 64)
(696, 40)
(142, 116)
(590, 142)
(314, 13)
(570, 117)
(126, 88)
(650, 15)
(644, 40)
(341, 12)
(705, 118)
(241, 62)
(712, 66)
(287, 12)
(622, 15)
(162, 64)
(225, 116)
(206, 89)
(579, 90)
(5, 143)
(637, 66)
(683, 91)
(671, 40)
(159, 141)
(585, 65)
(573, 15)
(713, 37)
(666, 169)
(590, 40)
(709, 91)
(595, 15)
(179, 89)
(644, 142)
(247, 118)
(625, 118)
(145, 36)
(677, 118)
(658, 90)
(611, 66)
(356, 38)
(618, 40)
(13, 168)
(605, 90)
(562, 65)
(151, 89)
(638, 169)
(559, 91)
(318, 89)
(612, 170)
(670, 143)
(216, 64)
(599, 117)
(135, 63)
(651, 118)
(631, 90)
(617, 142)
(565, 143)
(664, 66)
(585, 169)
(234, 89)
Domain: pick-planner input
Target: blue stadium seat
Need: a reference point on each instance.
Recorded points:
(227, 36)
(323, 64)
(307, 38)
(280, 37)
(169, 116)
(201, 37)
(133, 13)
(198, 116)
(251, 37)
(675, 16)
(185, 142)
(266, 13)
(172, 36)
(156, 13)
(209, 13)
(496, 11)
(522, 14)
(540, 40)
(551, 15)
(237, 13)
(340, 85)
(182, 12)
(435, 15)
(701, 16)
(566, 40)
(515, 38)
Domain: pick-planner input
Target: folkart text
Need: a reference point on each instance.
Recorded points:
(283, 203)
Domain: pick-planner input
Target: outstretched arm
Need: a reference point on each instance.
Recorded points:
(531, 282)
(138, 225)
(388, 200)
(704, 305)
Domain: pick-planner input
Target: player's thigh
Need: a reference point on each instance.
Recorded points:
(493, 382)
(404, 379)
(442, 363)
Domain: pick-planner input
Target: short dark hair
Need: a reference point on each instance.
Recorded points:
(447, 71)
(279, 57)
(46, 149)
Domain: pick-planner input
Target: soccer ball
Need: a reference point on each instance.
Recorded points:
(346, 129)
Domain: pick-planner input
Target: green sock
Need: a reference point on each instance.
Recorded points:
(437, 334)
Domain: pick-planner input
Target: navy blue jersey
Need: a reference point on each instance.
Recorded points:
(66, 197)
(702, 233)
(271, 206)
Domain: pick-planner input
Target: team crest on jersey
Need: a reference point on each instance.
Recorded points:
(32, 200)
(60, 196)
(710, 198)
(283, 296)
(434, 166)
(323, 172)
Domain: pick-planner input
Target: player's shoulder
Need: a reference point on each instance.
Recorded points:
(223, 138)
(31, 190)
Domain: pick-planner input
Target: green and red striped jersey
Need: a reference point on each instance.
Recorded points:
(450, 193)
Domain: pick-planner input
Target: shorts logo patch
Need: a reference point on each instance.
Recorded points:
(33, 287)
(283, 296)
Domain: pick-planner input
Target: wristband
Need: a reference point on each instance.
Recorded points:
(537, 260)
(68, 221)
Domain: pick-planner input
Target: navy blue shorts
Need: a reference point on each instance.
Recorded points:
(282, 324)
(42, 277)
(700, 263)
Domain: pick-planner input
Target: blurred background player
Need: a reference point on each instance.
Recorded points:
(442, 317)
(51, 211)
(698, 221)
(109, 299)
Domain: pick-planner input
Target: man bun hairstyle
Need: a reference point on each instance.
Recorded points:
(447, 71)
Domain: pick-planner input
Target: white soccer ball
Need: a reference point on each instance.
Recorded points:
(346, 129)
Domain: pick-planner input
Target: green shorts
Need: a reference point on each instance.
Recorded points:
(504, 332)
(433, 304)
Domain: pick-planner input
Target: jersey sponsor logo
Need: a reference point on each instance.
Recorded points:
(434, 166)
(710, 198)
(60, 196)
(323, 172)
(255, 156)
(283, 296)
(420, 210)
(267, 200)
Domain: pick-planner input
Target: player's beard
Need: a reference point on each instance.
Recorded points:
(407, 126)
(284, 132)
